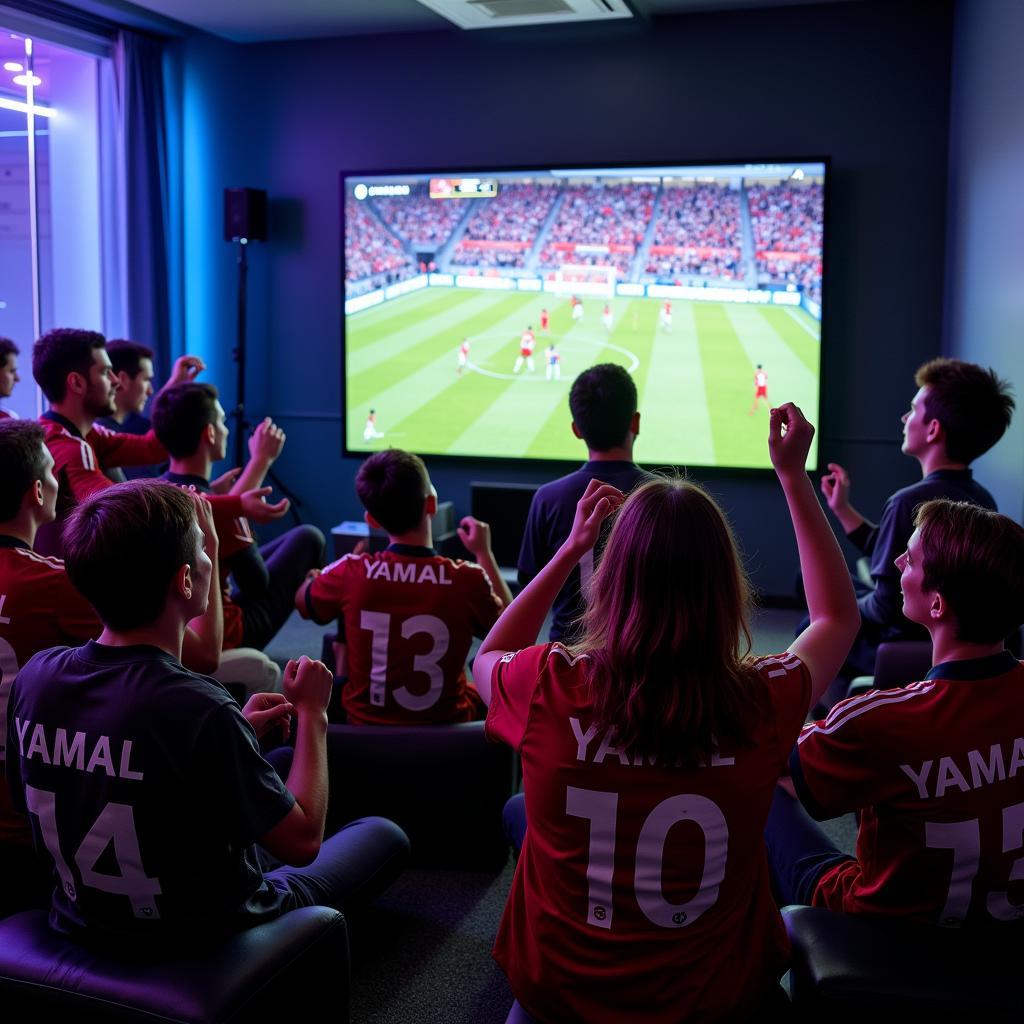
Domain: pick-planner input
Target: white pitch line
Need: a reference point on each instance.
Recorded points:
(802, 323)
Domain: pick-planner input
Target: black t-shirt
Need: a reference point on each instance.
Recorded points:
(547, 527)
(145, 784)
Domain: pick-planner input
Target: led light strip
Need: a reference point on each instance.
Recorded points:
(23, 108)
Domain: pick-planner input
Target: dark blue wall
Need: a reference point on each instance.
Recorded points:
(866, 83)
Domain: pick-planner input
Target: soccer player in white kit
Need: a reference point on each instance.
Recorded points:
(370, 431)
(554, 363)
(526, 344)
(577, 310)
(606, 317)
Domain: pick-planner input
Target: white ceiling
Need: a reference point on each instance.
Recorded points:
(251, 21)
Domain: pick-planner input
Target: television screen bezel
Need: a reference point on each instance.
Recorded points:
(546, 465)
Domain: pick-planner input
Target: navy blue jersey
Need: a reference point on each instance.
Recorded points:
(885, 542)
(547, 527)
(134, 423)
(145, 784)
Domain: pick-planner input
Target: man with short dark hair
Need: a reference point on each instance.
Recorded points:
(40, 608)
(132, 364)
(603, 404)
(190, 422)
(408, 614)
(935, 770)
(8, 372)
(959, 412)
(144, 782)
(74, 371)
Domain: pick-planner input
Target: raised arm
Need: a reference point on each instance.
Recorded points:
(297, 837)
(265, 445)
(476, 537)
(825, 643)
(835, 486)
(204, 637)
(521, 621)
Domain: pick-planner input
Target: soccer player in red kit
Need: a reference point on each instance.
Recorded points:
(40, 609)
(665, 316)
(526, 346)
(544, 320)
(760, 387)
(463, 356)
(409, 615)
(650, 752)
(935, 769)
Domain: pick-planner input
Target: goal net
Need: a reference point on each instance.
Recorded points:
(580, 279)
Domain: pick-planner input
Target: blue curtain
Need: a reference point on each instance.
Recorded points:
(138, 60)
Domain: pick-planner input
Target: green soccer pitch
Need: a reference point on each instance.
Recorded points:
(695, 382)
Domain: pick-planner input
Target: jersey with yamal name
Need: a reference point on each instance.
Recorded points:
(936, 771)
(146, 787)
(409, 617)
(641, 893)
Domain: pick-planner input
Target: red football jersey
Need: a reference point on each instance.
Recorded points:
(233, 534)
(526, 343)
(39, 608)
(936, 770)
(79, 462)
(409, 619)
(641, 893)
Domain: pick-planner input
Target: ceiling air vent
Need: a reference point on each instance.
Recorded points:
(514, 13)
(520, 8)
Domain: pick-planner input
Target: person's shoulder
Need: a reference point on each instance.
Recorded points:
(775, 666)
(910, 496)
(29, 564)
(879, 715)
(348, 562)
(462, 567)
(48, 660)
(572, 485)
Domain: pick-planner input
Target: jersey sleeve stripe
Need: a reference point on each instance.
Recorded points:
(47, 560)
(558, 649)
(865, 698)
(88, 456)
(829, 727)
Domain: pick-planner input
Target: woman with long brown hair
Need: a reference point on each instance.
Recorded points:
(651, 750)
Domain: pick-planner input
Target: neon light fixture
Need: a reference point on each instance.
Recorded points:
(23, 108)
(13, 65)
(27, 79)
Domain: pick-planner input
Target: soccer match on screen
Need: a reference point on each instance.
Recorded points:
(473, 299)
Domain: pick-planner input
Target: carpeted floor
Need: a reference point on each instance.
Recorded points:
(421, 953)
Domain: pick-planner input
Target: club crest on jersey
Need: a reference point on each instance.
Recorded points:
(408, 572)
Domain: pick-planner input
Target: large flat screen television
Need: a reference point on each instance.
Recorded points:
(473, 298)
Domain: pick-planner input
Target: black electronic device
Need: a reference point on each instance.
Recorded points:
(245, 214)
